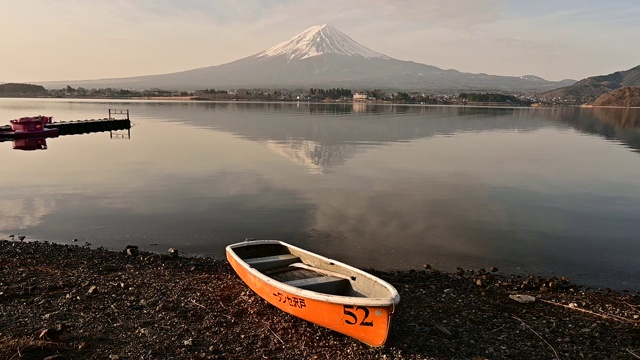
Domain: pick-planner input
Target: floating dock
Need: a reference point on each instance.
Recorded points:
(88, 126)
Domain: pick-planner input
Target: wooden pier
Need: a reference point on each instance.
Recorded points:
(110, 123)
(94, 125)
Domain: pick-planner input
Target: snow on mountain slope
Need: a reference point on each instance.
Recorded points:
(319, 40)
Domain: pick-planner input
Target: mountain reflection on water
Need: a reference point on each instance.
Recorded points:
(337, 137)
(346, 129)
(550, 191)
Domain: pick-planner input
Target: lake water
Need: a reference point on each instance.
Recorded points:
(544, 191)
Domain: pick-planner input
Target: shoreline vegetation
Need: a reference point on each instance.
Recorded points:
(74, 302)
(627, 97)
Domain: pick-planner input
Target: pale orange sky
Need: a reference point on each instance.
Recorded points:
(47, 40)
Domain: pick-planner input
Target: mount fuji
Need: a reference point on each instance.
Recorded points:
(322, 57)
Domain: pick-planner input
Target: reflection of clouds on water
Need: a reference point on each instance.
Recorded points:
(175, 193)
(426, 220)
(199, 213)
(18, 214)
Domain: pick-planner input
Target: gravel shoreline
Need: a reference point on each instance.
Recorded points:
(71, 302)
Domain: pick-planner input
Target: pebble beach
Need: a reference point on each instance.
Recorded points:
(76, 302)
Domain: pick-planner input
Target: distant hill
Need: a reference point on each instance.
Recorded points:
(323, 57)
(12, 89)
(627, 96)
(589, 89)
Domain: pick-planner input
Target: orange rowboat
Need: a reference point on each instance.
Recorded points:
(314, 288)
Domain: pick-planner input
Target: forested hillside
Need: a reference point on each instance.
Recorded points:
(12, 89)
(589, 89)
(627, 96)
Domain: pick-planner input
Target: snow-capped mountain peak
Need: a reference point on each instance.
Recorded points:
(318, 40)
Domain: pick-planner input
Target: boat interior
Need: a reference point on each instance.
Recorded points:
(277, 262)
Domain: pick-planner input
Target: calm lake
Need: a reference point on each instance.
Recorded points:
(543, 191)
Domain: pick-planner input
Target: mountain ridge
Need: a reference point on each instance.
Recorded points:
(589, 89)
(322, 56)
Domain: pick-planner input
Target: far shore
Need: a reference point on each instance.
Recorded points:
(200, 99)
(342, 101)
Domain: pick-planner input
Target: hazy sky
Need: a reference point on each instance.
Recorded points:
(92, 39)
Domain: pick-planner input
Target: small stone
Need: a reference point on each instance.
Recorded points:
(131, 250)
(21, 237)
(493, 269)
(448, 291)
(426, 266)
(479, 282)
(75, 240)
(114, 357)
(523, 299)
(188, 342)
(93, 289)
(173, 252)
(82, 345)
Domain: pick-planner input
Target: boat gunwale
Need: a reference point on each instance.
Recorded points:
(390, 301)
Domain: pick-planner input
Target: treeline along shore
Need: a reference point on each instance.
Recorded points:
(312, 94)
(624, 97)
(76, 302)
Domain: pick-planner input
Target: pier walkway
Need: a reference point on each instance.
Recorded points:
(110, 123)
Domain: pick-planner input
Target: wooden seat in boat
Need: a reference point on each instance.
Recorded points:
(323, 284)
(269, 262)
